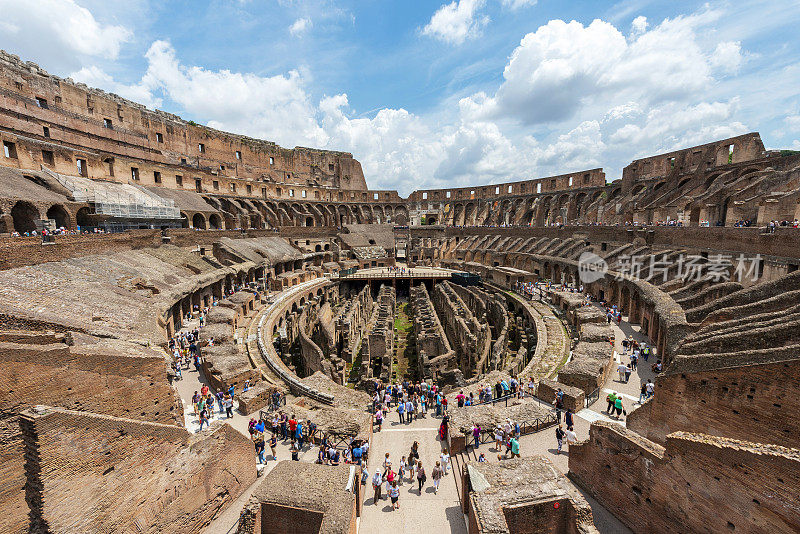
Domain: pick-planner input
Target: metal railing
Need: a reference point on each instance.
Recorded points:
(526, 427)
(396, 276)
(264, 414)
(592, 397)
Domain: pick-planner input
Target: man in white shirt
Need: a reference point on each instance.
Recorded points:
(621, 371)
(445, 461)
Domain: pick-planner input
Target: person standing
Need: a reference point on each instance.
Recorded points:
(387, 464)
(227, 401)
(514, 447)
(558, 402)
(559, 438)
(618, 407)
(401, 408)
(476, 434)
(401, 472)
(394, 493)
(273, 442)
(445, 459)
(203, 417)
(409, 411)
(379, 418)
(611, 399)
(571, 436)
(569, 418)
(377, 481)
(413, 458)
(436, 474)
(421, 476)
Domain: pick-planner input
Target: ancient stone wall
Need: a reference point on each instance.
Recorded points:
(696, 483)
(753, 402)
(469, 337)
(44, 370)
(379, 334)
(156, 477)
(113, 135)
(434, 354)
(350, 322)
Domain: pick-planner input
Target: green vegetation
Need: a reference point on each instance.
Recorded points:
(402, 323)
(405, 344)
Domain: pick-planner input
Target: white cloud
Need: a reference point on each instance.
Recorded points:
(300, 26)
(518, 4)
(792, 123)
(275, 108)
(633, 95)
(673, 126)
(727, 56)
(457, 21)
(93, 76)
(565, 66)
(639, 25)
(60, 30)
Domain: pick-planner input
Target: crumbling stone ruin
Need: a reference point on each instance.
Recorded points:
(313, 288)
(377, 346)
(434, 354)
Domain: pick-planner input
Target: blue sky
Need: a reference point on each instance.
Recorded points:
(437, 93)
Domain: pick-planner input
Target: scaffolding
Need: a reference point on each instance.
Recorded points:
(120, 201)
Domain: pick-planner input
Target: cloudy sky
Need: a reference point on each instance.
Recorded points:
(433, 93)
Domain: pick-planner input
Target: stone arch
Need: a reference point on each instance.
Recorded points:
(543, 213)
(184, 220)
(199, 221)
(469, 214)
(560, 215)
(59, 214)
(401, 216)
(579, 207)
(83, 217)
(214, 221)
(25, 216)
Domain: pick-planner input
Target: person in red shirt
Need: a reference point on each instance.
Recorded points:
(204, 390)
(292, 428)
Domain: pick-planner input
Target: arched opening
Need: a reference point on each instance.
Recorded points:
(59, 214)
(199, 221)
(184, 220)
(317, 248)
(327, 246)
(214, 221)
(25, 216)
(309, 221)
(82, 218)
(432, 219)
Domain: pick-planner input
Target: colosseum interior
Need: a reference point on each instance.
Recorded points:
(123, 229)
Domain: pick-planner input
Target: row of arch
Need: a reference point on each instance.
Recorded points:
(541, 210)
(23, 216)
(250, 213)
(640, 303)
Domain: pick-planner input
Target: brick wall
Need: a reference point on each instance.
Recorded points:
(573, 397)
(753, 403)
(127, 386)
(697, 483)
(133, 475)
(16, 252)
(289, 520)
